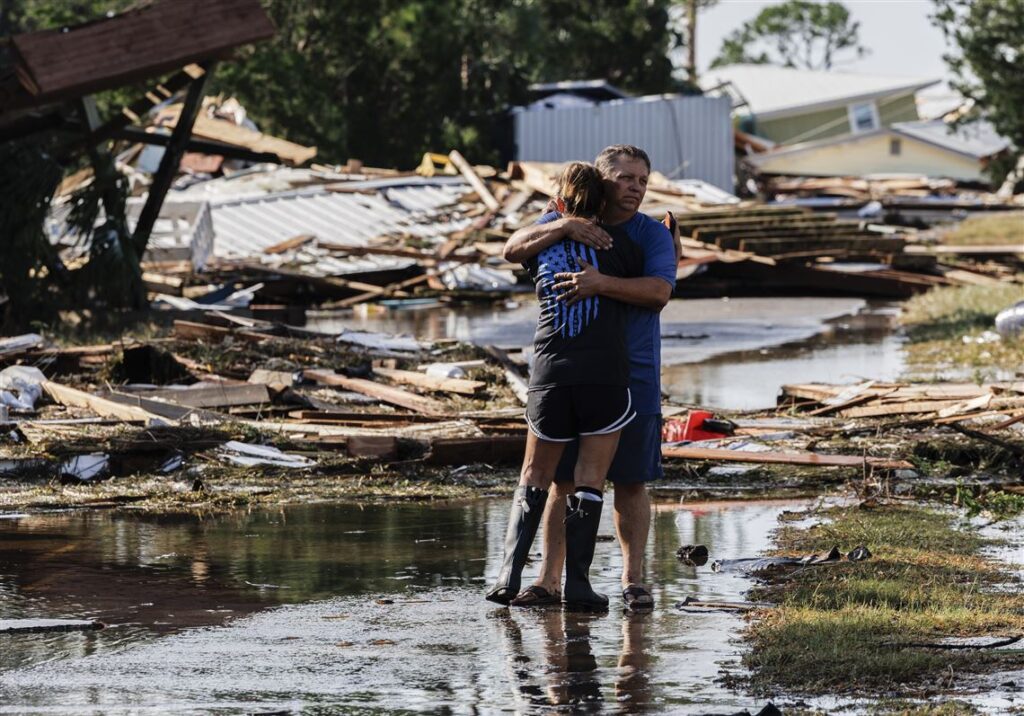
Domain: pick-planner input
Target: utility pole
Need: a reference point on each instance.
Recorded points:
(691, 40)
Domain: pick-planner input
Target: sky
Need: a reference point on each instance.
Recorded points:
(899, 34)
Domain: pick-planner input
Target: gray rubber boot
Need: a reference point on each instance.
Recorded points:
(523, 521)
(581, 520)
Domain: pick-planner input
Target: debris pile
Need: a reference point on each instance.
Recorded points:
(780, 250)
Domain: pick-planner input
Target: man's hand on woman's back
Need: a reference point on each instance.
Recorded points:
(586, 232)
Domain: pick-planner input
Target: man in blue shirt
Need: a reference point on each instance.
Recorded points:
(625, 169)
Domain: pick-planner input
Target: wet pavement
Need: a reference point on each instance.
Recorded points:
(358, 609)
(708, 345)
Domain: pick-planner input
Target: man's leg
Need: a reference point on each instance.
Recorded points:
(632, 524)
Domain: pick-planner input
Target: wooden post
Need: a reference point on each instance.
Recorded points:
(171, 161)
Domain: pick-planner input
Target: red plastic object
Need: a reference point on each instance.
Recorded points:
(677, 430)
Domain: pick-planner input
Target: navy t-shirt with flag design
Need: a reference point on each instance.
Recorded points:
(585, 343)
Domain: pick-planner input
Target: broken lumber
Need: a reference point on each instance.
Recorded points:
(781, 458)
(105, 408)
(385, 393)
(289, 244)
(474, 180)
(490, 450)
(218, 396)
(430, 382)
(515, 381)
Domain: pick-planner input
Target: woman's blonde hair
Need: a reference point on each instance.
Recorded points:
(581, 189)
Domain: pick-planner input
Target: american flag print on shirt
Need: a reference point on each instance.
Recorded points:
(567, 320)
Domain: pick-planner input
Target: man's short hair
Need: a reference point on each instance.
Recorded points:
(606, 159)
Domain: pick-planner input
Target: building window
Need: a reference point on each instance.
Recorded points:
(863, 117)
(895, 146)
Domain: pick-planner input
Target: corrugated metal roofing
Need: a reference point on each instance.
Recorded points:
(977, 139)
(686, 137)
(247, 226)
(782, 91)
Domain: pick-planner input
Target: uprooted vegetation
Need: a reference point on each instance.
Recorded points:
(883, 625)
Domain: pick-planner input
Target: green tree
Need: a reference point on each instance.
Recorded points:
(988, 37)
(797, 33)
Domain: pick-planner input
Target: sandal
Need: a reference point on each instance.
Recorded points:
(637, 598)
(535, 596)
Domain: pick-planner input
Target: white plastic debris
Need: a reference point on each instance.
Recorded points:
(382, 341)
(445, 370)
(986, 337)
(85, 467)
(1010, 321)
(24, 380)
(23, 342)
(252, 455)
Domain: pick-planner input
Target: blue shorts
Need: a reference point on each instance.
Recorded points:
(637, 459)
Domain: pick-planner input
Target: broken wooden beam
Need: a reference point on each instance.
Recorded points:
(474, 180)
(781, 458)
(463, 451)
(217, 396)
(430, 382)
(105, 408)
(385, 393)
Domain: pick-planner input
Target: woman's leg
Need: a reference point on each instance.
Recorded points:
(537, 473)
(583, 513)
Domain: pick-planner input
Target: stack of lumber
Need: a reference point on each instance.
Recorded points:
(785, 233)
(933, 402)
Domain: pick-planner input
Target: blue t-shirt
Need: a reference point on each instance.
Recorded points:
(643, 332)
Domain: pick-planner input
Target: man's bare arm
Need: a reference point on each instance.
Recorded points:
(529, 241)
(648, 292)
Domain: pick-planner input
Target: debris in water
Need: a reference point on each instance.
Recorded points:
(252, 455)
(25, 626)
(84, 468)
(695, 555)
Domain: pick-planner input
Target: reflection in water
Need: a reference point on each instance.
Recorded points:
(375, 608)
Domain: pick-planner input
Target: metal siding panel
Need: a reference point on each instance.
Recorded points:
(703, 141)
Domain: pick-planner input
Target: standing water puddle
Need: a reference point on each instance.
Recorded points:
(362, 608)
(722, 353)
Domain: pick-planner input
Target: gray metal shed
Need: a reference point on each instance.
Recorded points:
(687, 137)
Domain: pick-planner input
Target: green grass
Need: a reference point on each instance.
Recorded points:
(998, 229)
(845, 628)
(937, 321)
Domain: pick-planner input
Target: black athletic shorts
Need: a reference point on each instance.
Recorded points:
(562, 413)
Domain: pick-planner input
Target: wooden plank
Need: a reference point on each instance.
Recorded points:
(430, 382)
(385, 393)
(491, 450)
(379, 292)
(905, 408)
(516, 201)
(219, 396)
(780, 458)
(352, 417)
(474, 180)
(382, 447)
(277, 379)
(289, 244)
(75, 398)
(148, 41)
(515, 380)
(222, 130)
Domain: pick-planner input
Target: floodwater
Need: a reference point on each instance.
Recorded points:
(356, 609)
(724, 353)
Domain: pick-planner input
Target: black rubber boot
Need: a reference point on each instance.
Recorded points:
(523, 521)
(581, 519)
